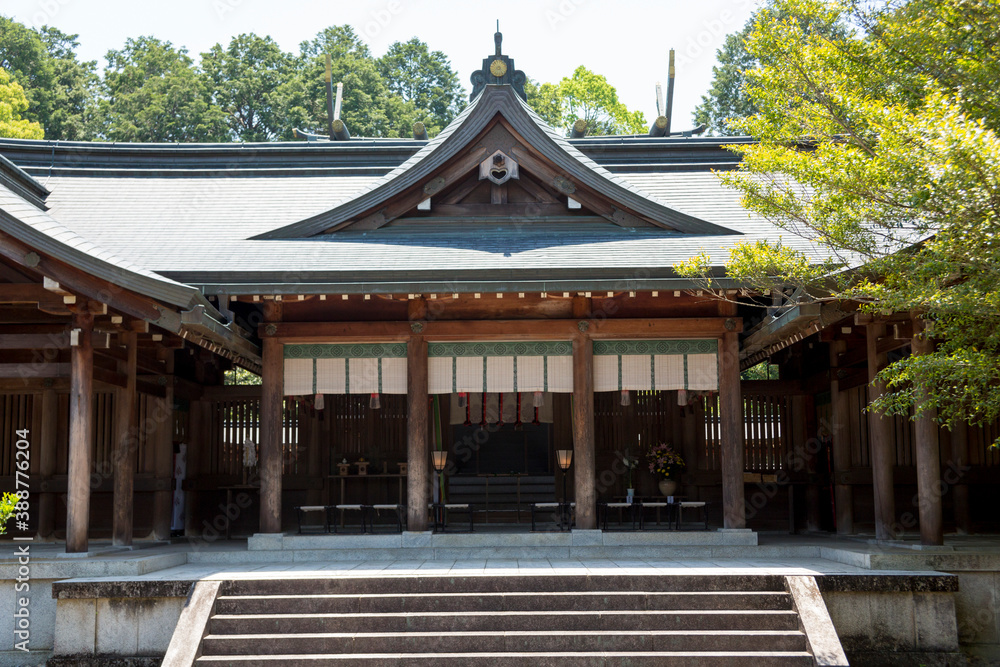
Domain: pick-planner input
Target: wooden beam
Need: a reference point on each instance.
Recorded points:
(418, 479)
(162, 439)
(81, 430)
(375, 218)
(18, 293)
(859, 355)
(841, 444)
(26, 372)
(731, 423)
(584, 449)
(581, 193)
(880, 441)
(928, 454)
(959, 436)
(47, 464)
(91, 287)
(271, 410)
(505, 330)
(127, 442)
(53, 341)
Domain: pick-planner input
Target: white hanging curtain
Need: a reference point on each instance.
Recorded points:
(643, 365)
(474, 408)
(361, 368)
(501, 367)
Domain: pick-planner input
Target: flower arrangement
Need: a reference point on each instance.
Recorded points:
(630, 462)
(664, 461)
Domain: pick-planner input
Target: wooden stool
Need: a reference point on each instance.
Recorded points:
(691, 505)
(398, 509)
(304, 509)
(351, 508)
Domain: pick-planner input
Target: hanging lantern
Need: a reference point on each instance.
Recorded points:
(682, 397)
(538, 399)
(318, 402)
(626, 398)
(374, 401)
(463, 399)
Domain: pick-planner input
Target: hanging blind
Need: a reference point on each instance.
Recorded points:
(359, 368)
(656, 364)
(501, 367)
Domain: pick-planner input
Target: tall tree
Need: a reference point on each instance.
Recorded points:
(13, 104)
(590, 97)
(425, 82)
(587, 96)
(60, 89)
(543, 98)
(729, 100)
(882, 147)
(245, 80)
(364, 90)
(152, 92)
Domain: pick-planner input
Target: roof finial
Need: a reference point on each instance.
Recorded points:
(498, 37)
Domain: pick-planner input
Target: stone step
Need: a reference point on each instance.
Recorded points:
(500, 642)
(546, 659)
(290, 585)
(555, 621)
(507, 601)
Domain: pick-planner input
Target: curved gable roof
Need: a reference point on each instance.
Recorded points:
(449, 144)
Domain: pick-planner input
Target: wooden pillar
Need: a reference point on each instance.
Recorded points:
(126, 442)
(880, 441)
(163, 454)
(928, 455)
(199, 426)
(47, 461)
(960, 491)
(805, 407)
(731, 413)
(271, 414)
(584, 455)
(81, 433)
(840, 444)
(418, 476)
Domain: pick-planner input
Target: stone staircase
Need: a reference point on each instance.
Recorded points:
(579, 621)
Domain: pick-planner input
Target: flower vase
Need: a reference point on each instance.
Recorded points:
(668, 487)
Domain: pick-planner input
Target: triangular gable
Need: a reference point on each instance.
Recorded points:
(537, 149)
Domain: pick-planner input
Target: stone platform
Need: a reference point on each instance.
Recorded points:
(586, 544)
(131, 598)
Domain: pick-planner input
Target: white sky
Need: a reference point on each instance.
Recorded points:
(627, 40)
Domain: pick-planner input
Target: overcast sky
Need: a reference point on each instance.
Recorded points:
(626, 40)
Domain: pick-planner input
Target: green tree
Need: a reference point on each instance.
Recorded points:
(729, 100)
(59, 88)
(590, 97)
(365, 92)
(881, 147)
(153, 92)
(587, 96)
(543, 98)
(246, 81)
(13, 103)
(425, 83)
